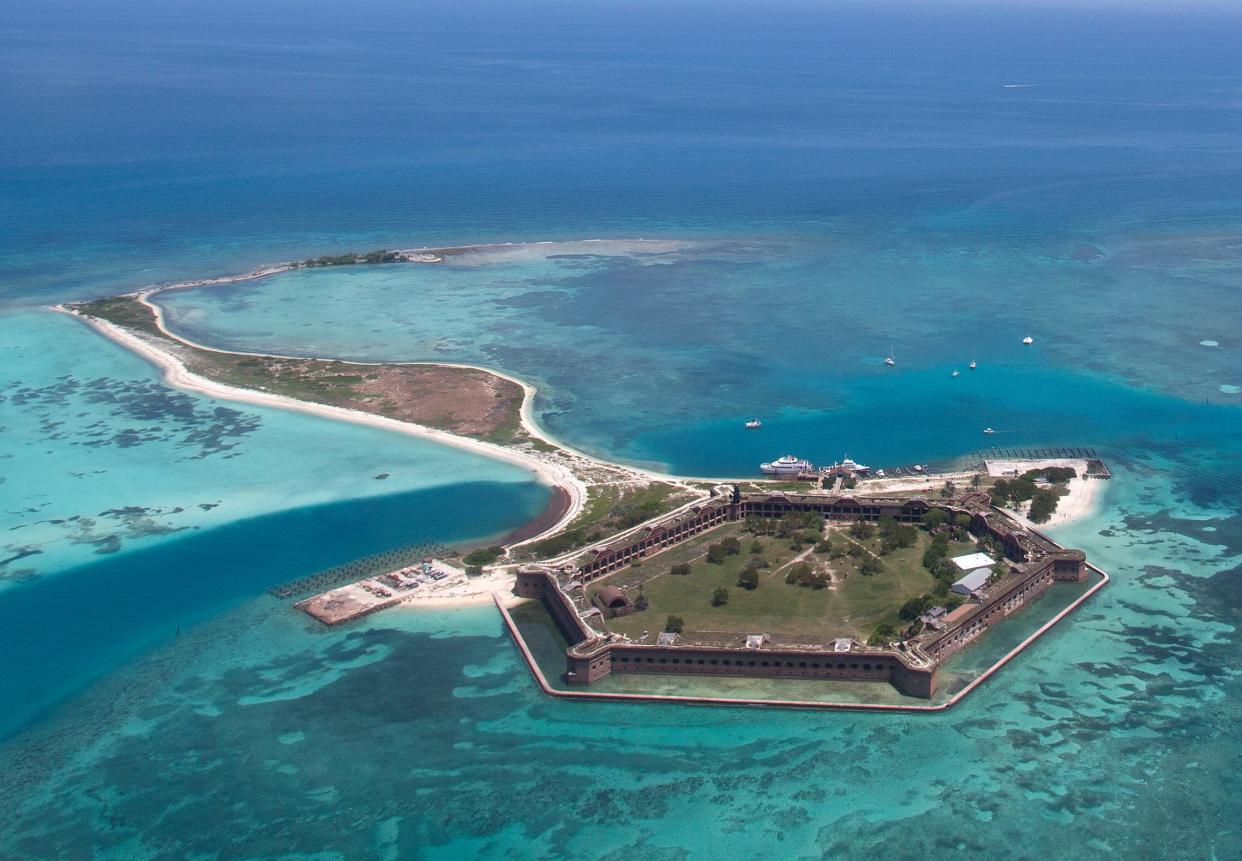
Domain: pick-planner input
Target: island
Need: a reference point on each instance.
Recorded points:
(832, 574)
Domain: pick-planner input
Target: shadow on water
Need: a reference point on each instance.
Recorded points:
(62, 632)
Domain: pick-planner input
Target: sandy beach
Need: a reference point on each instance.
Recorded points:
(177, 375)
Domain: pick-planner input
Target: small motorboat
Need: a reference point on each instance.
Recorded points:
(889, 360)
(1028, 340)
(879, 473)
(754, 424)
(956, 373)
(989, 430)
(973, 364)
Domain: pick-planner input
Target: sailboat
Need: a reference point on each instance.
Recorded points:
(889, 360)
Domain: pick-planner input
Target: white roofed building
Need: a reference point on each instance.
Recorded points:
(971, 561)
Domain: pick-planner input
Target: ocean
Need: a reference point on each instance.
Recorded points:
(748, 208)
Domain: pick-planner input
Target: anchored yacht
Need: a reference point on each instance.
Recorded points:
(787, 465)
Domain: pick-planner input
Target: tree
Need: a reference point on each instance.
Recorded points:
(748, 578)
(1043, 505)
(641, 603)
(949, 490)
(474, 570)
(731, 545)
(962, 521)
(674, 624)
(915, 607)
(716, 554)
(680, 570)
(756, 547)
(870, 566)
(935, 518)
(861, 530)
(720, 597)
(883, 633)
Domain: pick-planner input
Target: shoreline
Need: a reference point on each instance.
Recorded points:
(176, 374)
(561, 471)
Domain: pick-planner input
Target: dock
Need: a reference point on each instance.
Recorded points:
(363, 597)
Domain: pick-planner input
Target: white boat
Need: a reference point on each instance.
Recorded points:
(849, 467)
(956, 373)
(1028, 340)
(989, 430)
(973, 364)
(917, 468)
(787, 465)
(753, 424)
(879, 473)
(889, 360)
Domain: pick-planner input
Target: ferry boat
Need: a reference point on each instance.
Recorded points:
(1028, 340)
(786, 466)
(754, 424)
(848, 467)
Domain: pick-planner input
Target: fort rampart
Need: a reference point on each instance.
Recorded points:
(1036, 564)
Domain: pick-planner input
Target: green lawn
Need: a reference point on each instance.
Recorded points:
(852, 607)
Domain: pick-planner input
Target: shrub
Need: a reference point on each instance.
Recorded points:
(641, 603)
(731, 545)
(748, 578)
(483, 556)
(680, 570)
(716, 554)
(674, 624)
(720, 597)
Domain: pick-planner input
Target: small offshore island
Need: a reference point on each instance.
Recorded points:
(642, 573)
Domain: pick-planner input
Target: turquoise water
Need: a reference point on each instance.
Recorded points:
(419, 734)
(132, 509)
(825, 182)
(659, 352)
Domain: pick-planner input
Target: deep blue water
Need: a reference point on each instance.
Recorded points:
(108, 611)
(941, 178)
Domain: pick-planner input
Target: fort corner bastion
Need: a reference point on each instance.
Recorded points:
(1034, 563)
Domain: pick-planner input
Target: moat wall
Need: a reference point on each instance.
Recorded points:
(591, 656)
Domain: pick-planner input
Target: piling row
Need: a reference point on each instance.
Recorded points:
(360, 569)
